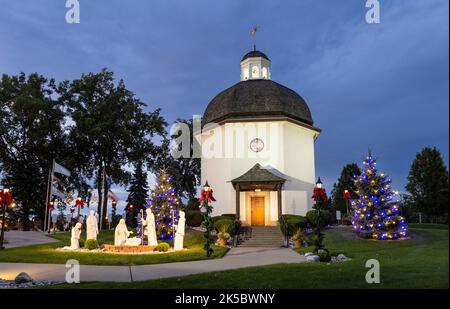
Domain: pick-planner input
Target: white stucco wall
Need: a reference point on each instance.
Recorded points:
(288, 148)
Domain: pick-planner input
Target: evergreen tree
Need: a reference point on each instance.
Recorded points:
(185, 171)
(137, 196)
(428, 184)
(345, 182)
(165, 204)
(375, 214)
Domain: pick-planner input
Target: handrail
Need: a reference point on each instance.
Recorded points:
(286, 235)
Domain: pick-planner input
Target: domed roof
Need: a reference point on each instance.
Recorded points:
(255, 53)
(257, 98)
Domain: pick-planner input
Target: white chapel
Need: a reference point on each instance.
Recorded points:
(257, 144)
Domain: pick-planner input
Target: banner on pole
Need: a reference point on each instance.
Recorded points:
(58, 194)
(57, 168)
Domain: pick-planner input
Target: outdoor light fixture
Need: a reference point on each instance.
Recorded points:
(319, 183)
(206, 187)
(257, 190)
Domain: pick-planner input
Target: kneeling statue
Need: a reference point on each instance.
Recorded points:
(121, 233)
(74, 238)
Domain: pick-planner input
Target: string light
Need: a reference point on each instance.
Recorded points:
(375, 216)
(164, 204)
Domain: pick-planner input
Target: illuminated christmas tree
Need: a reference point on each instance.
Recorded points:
(164, 204)
(375, 214)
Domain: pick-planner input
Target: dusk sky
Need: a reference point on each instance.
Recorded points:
(383, 86)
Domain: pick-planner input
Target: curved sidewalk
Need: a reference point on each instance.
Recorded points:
(235, 258)
(26, 238)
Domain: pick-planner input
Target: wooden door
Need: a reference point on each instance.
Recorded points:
(257, 211)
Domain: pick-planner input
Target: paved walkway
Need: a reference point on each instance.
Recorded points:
(21, 238)
(236, 258)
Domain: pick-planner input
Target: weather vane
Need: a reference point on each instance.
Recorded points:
(253, 34)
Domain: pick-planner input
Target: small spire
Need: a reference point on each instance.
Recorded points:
(253, 34)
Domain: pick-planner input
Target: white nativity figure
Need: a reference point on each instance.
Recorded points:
(75, 238)
(179, 234)
(150, 229)
(92, 226)
(121, 233)
(133, 241)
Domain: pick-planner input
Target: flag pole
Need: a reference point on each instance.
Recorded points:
(47, 210)
(47, 200)
(103, 197)
(49, 194)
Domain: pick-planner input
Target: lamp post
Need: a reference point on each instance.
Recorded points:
(113, 212)
(320, 197)
(50, 207)
(80, 204)
(72, 210)
(319, 185)
(130, 214)
(206, 197)
(346, 196)
(5, 200)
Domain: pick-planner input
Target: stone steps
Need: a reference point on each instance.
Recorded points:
(267, 236)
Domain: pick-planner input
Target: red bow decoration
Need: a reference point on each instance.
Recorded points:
(319, 193)
(208, 195)
(5, 197)
(72, 210)
(346, 194)
(79, 202)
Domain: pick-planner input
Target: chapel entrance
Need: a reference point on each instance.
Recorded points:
(258, 179)
(258, 211)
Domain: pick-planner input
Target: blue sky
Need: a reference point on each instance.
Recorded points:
(382, 86)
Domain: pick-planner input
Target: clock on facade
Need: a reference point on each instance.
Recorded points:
(256, 145)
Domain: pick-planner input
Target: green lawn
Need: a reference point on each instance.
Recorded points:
(46, 253)
(428, 226)
(419, 262)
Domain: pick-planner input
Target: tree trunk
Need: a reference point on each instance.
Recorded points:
(99, 190)
(25, 218)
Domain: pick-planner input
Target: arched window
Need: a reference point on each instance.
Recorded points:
(264, 73)
(245, 74)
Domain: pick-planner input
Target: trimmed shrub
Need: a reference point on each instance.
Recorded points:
(292, 223)
(194, 218)
(216, 218)
(311, 216)
(225, 225)
(91, 244)
(230, 216)
(324, 255)
(162, 247)
(224, 216)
